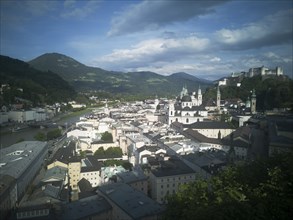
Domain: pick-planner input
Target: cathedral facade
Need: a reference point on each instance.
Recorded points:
(187, 108)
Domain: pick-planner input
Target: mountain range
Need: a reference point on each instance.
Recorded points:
(85, 78)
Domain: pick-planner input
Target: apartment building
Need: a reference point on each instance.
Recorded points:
(166, 178)
(20, 163)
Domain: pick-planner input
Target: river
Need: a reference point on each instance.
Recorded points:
(27, 134)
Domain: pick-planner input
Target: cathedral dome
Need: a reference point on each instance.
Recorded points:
(186, 98)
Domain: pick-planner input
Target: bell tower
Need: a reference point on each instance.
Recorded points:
(218, 98)
(199, 96)
(253, 102)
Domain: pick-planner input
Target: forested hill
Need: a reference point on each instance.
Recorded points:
(85, 78)
(30, 84)
(271, 92)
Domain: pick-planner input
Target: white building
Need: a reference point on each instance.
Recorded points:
(210, 129)
(187, 108)
(264, 71)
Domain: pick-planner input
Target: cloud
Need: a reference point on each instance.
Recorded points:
(150, 15)
(79, 9)
(154, 50)
(274, 29)
(215, 59)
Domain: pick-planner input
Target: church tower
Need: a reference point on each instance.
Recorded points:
(218, 98)
(199, 96)
(253, 102)
(171, 112)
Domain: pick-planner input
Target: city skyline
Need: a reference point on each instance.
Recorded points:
(208, 39)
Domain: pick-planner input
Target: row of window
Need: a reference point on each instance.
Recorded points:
(32, 213)
(177, 178)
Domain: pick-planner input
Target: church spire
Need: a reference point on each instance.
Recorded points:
(218, 98)
(253, 102)
(199, 96)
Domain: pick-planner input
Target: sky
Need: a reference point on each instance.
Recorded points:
(207, 39)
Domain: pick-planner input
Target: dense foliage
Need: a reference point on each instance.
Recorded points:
(262, 189)
(40, 136)
(30, 84)
(110, 152)
(107, 137)
(53, 134)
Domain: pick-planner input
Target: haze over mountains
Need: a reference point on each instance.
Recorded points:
(85, 78)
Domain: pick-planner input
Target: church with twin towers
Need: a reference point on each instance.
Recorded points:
(187, 108)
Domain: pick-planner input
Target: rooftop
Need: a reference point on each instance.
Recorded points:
(55, 174)
(131, 176)
(195, 135)
(208, 125)
(172, 167)
(16, 158)
(84, 208)
(135, 203)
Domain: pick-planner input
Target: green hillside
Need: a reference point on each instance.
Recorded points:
(85, 78)
(30, 84)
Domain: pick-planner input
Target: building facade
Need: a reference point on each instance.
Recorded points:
(187, 108)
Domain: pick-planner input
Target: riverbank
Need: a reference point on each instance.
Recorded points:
(74, 114)
(8, 137)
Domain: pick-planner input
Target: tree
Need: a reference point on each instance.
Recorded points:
(54, 134)
(114, 152)
(100, 152)
(40, 136)
(107, 137)
(82, 154)
(260, 190)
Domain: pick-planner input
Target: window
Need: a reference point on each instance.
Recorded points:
(187, 120)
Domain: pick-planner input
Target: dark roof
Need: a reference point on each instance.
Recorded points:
(188, 108)
(186, 98)
(149, 148)
(210, 161)
(84, 208)
(208, 125)
(133, 202)
(195, 135)
(102, 142)
(172, 167)
(131, 176)
(240, 137)
(64, 155)
(92, 164)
